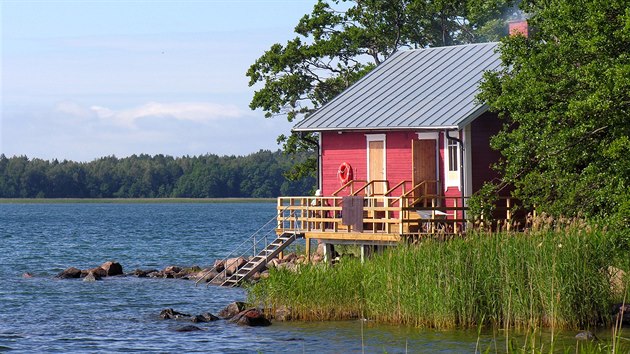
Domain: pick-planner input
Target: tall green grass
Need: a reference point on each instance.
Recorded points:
(544, 278)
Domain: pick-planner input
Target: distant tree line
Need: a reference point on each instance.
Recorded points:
(258, 175)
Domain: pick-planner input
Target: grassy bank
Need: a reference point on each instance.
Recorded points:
(545, 278)
(132, 200)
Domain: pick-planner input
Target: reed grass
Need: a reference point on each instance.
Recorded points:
(543, 278)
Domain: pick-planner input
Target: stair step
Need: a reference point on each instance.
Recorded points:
(263, 256)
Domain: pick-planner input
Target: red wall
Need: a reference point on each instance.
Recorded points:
(351, 147)
(483, 156)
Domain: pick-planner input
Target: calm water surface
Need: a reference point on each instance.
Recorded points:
(120, 314)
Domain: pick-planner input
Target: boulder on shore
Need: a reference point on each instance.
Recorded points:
(234, 264)
(232, 310)
(251, 317)
(283, 313)
(69, 273)
(219, 265)
(112, 268)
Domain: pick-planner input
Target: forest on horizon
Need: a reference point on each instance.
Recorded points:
(257, 175)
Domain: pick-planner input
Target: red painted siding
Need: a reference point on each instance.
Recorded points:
(481, 130)
(351, 147)
(337, 148)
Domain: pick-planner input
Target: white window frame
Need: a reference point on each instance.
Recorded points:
(452, 178)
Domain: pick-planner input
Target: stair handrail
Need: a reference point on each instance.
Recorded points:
(348, 184)
(254, 254)
(416, 187)
(400, 184)
(233, 253)
(370, 183)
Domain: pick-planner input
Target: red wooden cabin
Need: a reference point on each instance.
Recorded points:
(417, 142)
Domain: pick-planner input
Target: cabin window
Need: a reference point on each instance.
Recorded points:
(453, 159)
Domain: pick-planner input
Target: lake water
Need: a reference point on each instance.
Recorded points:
(120, 314)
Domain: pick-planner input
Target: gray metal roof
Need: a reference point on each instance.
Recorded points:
(422, 89)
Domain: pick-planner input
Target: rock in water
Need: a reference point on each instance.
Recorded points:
(205, 317)
(143, 273)
(251, 317)
(169, 314)
(172, 269)
(69, 273)
(91, 277)
(232, 310)
(112, 268)
(98, 272)
(188, 328)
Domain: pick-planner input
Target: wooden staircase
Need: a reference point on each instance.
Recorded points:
(260, 260)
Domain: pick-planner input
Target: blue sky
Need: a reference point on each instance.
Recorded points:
(83, 79)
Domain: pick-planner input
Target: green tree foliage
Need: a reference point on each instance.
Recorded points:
(564, 95)
(258, 175)
(342, 40)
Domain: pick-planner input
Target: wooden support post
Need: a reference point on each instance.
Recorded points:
(308, 250)
(327, 253)
(363, 253)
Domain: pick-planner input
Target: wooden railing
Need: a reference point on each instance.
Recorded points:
(404, 215)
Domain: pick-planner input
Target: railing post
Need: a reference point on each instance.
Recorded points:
(291, 213)
(455, 228)
(280, 215)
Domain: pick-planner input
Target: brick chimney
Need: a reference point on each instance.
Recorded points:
(518, 27)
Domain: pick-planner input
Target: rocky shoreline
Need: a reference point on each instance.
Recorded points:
(216, 274)
(236, 312)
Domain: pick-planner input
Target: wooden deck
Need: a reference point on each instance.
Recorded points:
(410, 215)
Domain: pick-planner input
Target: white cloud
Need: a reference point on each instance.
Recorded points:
(197, 112)
(81, 133)
(73, 109)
